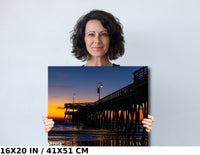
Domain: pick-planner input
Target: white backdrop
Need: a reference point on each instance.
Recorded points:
(164, 35)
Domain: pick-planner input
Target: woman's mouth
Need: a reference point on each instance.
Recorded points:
(98, 47)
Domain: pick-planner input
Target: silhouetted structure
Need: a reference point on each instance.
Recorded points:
(120, 111)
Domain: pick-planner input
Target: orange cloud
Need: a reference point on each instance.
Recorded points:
(60, 108)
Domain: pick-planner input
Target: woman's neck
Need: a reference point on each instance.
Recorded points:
(98, 61)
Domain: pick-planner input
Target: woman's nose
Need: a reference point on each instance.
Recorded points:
(97, 38)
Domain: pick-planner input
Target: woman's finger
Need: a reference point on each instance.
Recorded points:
(145, 122)
(151, 118)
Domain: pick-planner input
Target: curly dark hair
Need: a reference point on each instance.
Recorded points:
(113, 26)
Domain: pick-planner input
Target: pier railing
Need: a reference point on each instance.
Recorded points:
(139, 76)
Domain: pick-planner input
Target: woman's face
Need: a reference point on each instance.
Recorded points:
(97, 39)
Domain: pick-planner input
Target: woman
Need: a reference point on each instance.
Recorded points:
(98, 38)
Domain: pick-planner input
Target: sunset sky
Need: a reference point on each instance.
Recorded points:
(63, 82)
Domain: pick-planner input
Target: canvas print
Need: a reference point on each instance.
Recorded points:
(98, 106)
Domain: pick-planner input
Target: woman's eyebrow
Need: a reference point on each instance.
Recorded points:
(95, 31)
(104, 31)
(90, 32)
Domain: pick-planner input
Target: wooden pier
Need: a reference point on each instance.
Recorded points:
(120, 111)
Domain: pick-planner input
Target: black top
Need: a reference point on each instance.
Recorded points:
(113, 65)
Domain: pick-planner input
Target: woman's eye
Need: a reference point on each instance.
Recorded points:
(90, 34)
(104, 34)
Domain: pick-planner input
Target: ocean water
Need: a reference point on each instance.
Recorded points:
(72, 134)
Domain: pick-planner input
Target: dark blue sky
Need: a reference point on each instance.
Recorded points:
(83, 81)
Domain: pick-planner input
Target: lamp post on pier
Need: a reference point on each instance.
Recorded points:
(74, 95)
(99, 89)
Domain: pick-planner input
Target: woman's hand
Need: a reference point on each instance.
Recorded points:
(147, 123)
(48, 123)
